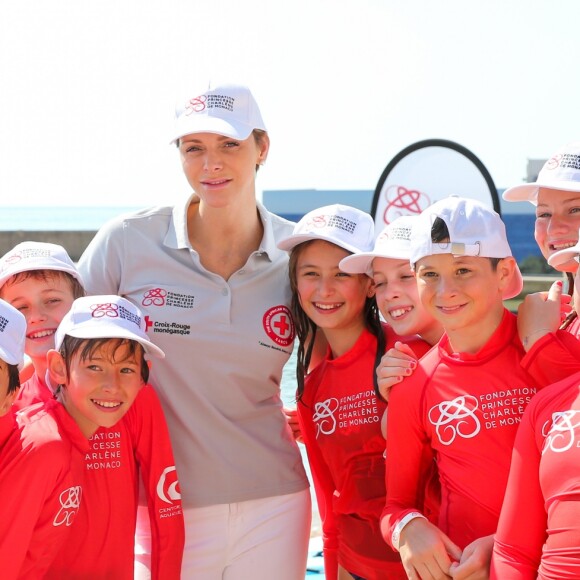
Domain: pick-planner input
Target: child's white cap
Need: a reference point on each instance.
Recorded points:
(105, 316)
(28, 256)
(394, 241)
(224, 109)
(347, 227)
(562, 256)
(561, 171)
(12, 334)
(474, 230)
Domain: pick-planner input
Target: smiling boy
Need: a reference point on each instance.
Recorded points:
(464, 402)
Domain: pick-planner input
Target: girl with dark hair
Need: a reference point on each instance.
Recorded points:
(338, 409)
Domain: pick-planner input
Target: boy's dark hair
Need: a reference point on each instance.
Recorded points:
(306, 329)
(13, 378)
(440, 234)
(77, 290)
(86, 347)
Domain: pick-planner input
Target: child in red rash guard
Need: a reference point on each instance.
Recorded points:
(338, 408)
(464, 401)
(538, 534)
(42, 282)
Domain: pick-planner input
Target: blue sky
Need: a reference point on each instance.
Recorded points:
(88, 88)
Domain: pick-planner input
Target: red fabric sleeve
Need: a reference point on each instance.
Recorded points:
(407, 453)
(154, 455)
(523, 521)
(27, 484)
(324, 488)
(554, 357)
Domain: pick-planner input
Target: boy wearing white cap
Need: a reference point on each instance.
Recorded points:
(214, 287)
(338, 409)
(41, 281)
(463, 403)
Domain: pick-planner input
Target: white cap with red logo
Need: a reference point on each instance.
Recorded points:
(105, 316)
(348, 227)
(561, 171)
(224, 109)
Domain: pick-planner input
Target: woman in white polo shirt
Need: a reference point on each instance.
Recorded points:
(215, 290)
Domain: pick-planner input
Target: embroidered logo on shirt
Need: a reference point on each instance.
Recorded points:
(70, 502)
(168, 492)
(162, 297)
(455, 418)
(324, 417)
(560, 433)
(279, 325)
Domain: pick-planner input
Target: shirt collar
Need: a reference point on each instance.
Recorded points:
(176, 236)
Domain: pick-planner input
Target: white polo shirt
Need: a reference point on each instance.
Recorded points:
(225, 344)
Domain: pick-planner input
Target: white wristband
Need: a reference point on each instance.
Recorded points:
(396, 536)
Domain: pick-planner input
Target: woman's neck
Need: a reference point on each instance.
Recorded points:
(342, 341)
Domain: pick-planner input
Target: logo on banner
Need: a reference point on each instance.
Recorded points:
(402, 201)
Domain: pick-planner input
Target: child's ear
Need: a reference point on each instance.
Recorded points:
(370, 287)
(56, 367)
(506, 270)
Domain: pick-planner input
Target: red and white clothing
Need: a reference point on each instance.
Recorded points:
(340, 417)
(539, 529)
(102, 546)
(41, 486)
(465, 409)
(555, 356)
(33, 391)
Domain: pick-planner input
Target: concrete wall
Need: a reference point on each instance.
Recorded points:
(74, 242)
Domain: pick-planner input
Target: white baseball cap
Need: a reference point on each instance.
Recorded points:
(561, 171)
(562, 256)
(474, 230)
(347, 227)
(225, 109)
(12, 334)
(105, 316)
(28, 256)
(394, 241)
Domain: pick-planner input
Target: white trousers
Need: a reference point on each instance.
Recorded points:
(251, 540)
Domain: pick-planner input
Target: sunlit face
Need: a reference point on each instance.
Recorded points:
(398, 299)
(463, 293)
(44, 302)
(557, 223)
(6, 399)
(220, 168)
(100, 389)
(331, 298)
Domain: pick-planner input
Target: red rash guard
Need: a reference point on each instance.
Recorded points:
(340, 418)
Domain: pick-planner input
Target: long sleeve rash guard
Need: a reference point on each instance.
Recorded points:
(340, 418)
(466, 409)
(539, 529)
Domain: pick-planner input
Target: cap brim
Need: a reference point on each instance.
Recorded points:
(563, 256)
(205, 124)
(529, 191)
(357, 263)
(88, 331)
(289, 243)
(31, 267)
(9, 358)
